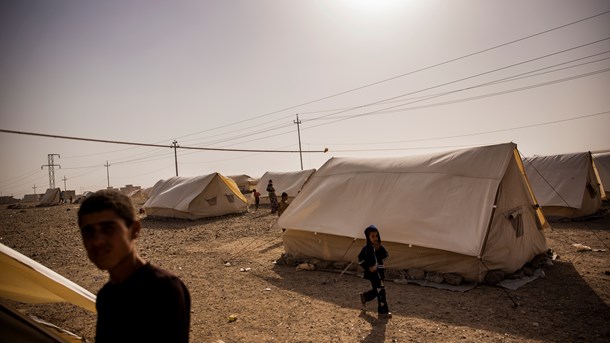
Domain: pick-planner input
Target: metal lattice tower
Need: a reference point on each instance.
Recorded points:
(51, 165)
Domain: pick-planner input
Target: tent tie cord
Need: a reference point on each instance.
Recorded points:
(515, 304)
(341, 259)
(523, 158)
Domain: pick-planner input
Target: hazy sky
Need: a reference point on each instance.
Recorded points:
(367, 78)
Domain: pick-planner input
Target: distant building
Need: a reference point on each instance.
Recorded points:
(129, 189)
(31, 198)
(69, 194)
(5, 200)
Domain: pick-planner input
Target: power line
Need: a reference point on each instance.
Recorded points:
(152, 145)
(521, 76)
(385, 110)
(481, 132)
(470, 77)
(478, 97)
(408, 94)
(407, 73)
(20, 177)
(409, 148)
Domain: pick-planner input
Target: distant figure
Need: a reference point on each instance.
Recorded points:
(371, 259)
(61, 197)
(283, 204)
(257, 198)
(272, 196)
(70, 199)
(140, 302)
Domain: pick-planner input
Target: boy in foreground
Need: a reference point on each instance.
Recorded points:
(140, 302)
(371, 259)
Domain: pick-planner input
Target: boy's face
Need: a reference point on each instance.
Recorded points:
(107, 238)
(374, 237)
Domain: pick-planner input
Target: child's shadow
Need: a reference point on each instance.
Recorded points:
(377, 327)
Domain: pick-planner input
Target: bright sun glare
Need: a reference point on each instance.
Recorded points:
(374, 5)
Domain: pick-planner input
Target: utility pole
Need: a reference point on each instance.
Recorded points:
(51, 165)
(175, 147)
(64, 179)
(34, 189)
(298, 122)
(107, 172)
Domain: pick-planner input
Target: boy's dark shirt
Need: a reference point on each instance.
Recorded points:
(368, 257)
(151, 305)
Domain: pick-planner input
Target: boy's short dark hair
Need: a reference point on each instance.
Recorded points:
(109, 200)
(284, 193)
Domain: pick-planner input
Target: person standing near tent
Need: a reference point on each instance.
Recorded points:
(140, 302)
(272, 196)
(371, 259)
(283, 204)
(257, 198)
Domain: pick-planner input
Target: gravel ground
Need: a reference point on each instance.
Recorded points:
(277, 303)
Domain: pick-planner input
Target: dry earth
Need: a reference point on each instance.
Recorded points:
(278, 303)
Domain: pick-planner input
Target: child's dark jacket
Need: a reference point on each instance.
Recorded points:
(369, 257)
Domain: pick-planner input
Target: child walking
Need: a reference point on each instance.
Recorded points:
(257, 198)
(371, 259)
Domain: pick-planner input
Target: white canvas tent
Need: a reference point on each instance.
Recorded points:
(243, 181)
(602, 163)
(465, 211)
(50, 198)
(289, 182)
(566, 185)
(195, 197)
(25, 280)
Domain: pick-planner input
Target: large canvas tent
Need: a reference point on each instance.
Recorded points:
(289, 182)
(25, 280)
(565, 185)
(195, 197)
(50, 198)
(602, 163)
(464, 211)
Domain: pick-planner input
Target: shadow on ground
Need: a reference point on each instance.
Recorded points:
(559, 307)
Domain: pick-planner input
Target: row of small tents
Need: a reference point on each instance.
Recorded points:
(465, 211)
(568, 186)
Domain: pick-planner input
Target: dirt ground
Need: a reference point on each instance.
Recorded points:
(279, 304)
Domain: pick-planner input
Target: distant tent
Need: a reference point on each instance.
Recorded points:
(137, 195)
(602, 163)
(50, 198)
(566, 185)
(25, 280)
(289, 182)
(464, 211)
(243, 181)
(146, 192)
(195, 197)
(81, 197)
